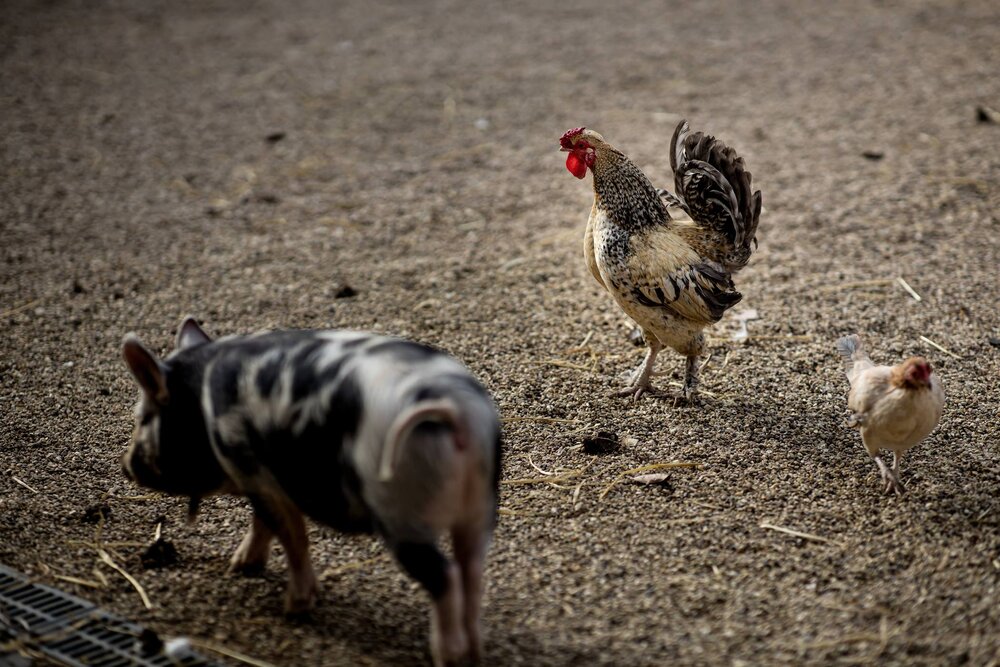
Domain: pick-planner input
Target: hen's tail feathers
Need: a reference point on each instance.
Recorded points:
(852, 350)
(713, 184)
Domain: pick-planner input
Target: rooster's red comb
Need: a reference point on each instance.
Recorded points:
(566, 140)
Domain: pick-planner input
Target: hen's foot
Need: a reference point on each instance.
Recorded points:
(889, 478)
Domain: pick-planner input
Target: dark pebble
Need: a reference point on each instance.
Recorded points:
(161, 553)
(605, 442)
(97, 513)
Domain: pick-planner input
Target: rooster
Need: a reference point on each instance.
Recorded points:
(895, 407)
(672, 276)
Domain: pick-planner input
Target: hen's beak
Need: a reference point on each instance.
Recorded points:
(565, 150)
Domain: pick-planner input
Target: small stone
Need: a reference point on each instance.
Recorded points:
(345, 292)
(874, 156)
(987, 115)
(97, 513)
(148, 643)
(274, 137)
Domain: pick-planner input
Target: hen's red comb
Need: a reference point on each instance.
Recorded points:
(565, 140)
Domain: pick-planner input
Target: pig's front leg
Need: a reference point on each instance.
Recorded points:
(250, 557)
(470, 544)
(284, 519)
(442, 579)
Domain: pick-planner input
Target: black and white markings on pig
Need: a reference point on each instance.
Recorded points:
(425, 563)
(327, 488)
(404, 351)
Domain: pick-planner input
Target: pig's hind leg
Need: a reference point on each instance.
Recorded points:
(283, 519)
(250, 557)
(442, 579)
(470, 544)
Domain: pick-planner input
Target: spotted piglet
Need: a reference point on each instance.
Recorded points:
(361, 432)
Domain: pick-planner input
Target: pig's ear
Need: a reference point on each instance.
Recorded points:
(441, 411)
(148, 371)
(190, 334)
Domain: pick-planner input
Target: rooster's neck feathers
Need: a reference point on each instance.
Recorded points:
(624, 192)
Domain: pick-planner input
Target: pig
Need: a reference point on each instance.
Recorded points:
(360, 432)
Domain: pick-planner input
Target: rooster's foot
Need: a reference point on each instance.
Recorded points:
(636, 391)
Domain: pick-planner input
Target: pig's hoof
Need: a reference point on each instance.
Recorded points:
(448, 651)
(247, 568)
(298, 604)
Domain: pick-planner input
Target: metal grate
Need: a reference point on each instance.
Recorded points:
(40, 621)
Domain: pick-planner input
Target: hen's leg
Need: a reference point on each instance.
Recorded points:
(889, 477)
(897, 458)
(639, 384)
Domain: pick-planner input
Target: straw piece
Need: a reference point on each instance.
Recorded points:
(563, 364)
(18, 309)
(653, 466)
(541, 420)
(805, 536)
(76, 580)
(229, 653)
(24, 484)
(349, 567)
(905, 285)
(933, 344)
(132, 580)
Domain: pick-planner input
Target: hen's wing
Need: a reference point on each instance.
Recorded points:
(868, 387)
(713, 186)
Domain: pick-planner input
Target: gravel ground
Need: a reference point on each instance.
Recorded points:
(246, 161)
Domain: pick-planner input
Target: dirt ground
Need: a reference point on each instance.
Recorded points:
(245, 161)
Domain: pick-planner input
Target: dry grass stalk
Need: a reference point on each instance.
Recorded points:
(543, 472)
(804, 536)
(24, 484)
(541, 420)
(106, 559)
(561, 477)
(933, 344)
(646, 468)
(97, 545)
(229, 653)
(905, 285)
(700, 391)
(349, 567)
(564, 364)
(856, 284)
(77, 580)
(705, 363)
(18, 309)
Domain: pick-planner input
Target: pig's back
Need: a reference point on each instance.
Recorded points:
(290, 408)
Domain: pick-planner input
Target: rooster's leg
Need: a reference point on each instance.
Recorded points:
(639, 383)
(691, 378)
(890, 477)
